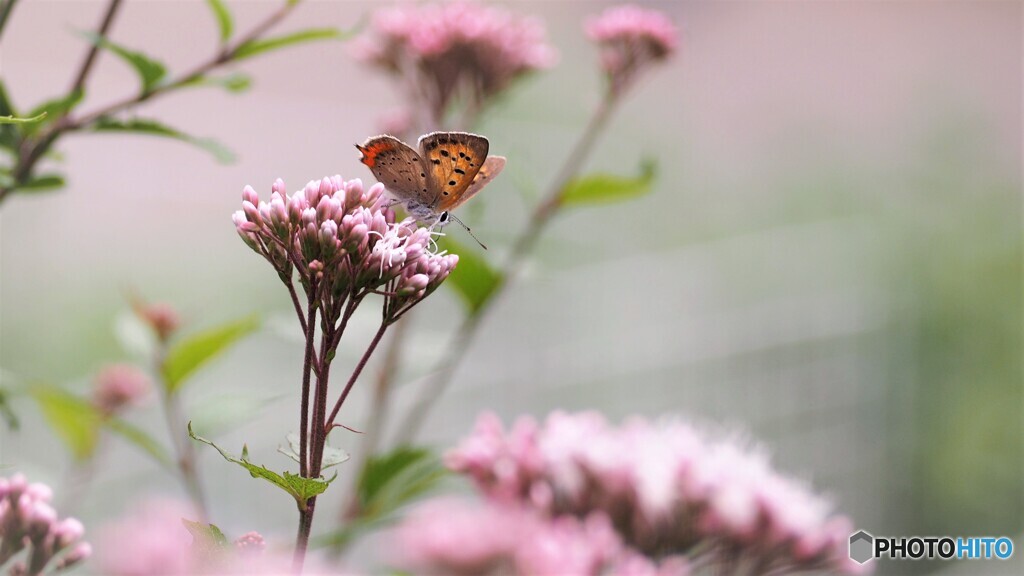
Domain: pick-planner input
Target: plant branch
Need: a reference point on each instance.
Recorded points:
(524, 244)
(183, 449)
(355, 373)
(90, 57)
(307, 368)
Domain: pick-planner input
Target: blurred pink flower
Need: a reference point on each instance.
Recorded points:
(451, 536)
(457, 50)
(151, 540)
(28, 522)
(631, 39)
(162, 318)
(667, 488)
(119, 386)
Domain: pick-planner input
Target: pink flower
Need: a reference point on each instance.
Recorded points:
(162, 318)
(251, 542)
(453, 536)
(28, 522)
(666, 488)
(457, 50)
(150, 540)
(343, 243)
(631, 39)
(118, 386)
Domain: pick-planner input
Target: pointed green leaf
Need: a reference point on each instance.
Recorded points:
(235, 83)
(41, 183)
(332, 456)
(472, 278)
(208, 542)
(143, 440)
(6, 412)
(74, 420)
(190, 354)
(15, 120)
(391, 480)
(152, 127)
(259, 46)
(602, 188)
(6, 105)
(224, 20)
(58, 107)
(150, 71)
(301, 489)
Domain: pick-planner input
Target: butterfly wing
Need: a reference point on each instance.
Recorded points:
(397, 166)
(453, 160)
(491, 168)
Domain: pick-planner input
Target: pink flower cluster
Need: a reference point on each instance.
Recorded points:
(118, 386)
(676, 498)
(450, 536)
(456, 49)
(631, 38)
(28, 522)
(343, 243)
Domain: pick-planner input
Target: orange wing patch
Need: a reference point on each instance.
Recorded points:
(452, 159)
(374, 147)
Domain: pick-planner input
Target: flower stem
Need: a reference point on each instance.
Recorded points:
(355, 375)
(306, 512)
(524, 244)
(90, 57)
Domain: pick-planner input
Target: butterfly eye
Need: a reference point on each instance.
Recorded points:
(443, 219)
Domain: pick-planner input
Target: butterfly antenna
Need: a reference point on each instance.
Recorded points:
(461, 223)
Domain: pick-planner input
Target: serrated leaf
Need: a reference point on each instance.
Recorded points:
(16, 120)
(224, 20)
(41, 183)
(74, 420)
(301, 489)
(150, 71)
(391, 480)
(154, 128)
(141, 439)
(473, 278)
(603, 188)
(190, 354)
(332, 456)
(259, 46)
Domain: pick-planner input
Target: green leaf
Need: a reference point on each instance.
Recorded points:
(332, 456)
(152, 127)
(6, 106)
(58, 107)
(74, 420)
(41, 183)
(259, 46)
(301, 489)
(142, 440)
(224, 19)
(150, 71)
(391, 480)
(207, 539)
(15, 120)
(235, 83)
(190, 354)
(472, 278)
(601, 188)
(6, 412)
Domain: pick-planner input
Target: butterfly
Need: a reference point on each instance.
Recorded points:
(449, 169)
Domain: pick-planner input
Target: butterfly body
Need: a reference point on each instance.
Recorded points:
(448, 169)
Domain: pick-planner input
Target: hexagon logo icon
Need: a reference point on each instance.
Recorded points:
(861, 544)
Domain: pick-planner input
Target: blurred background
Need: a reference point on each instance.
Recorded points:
(830, 260)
